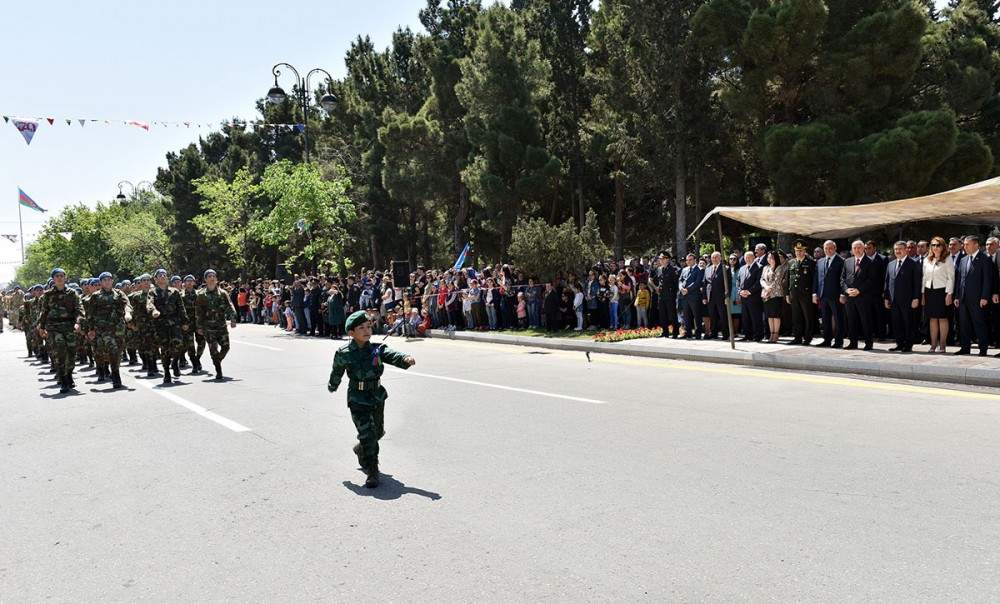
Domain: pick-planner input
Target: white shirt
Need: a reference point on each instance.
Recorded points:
(938, 275)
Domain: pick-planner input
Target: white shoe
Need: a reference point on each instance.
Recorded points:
(578, 329)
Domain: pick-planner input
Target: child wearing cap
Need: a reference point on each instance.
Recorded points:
(364, 363)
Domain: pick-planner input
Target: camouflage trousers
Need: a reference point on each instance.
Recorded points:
(147, 339)
(62, 342)
(218, 344)
(132, 337)
(169, 341)
(370, 424)
(108, 346)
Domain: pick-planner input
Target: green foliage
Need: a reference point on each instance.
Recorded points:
(541, 249)
(227, 212)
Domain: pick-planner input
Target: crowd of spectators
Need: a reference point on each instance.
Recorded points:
(853, 299)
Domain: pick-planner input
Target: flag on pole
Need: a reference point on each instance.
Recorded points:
(302, 225)
(27, 201)
(10, 238)
(461, 258)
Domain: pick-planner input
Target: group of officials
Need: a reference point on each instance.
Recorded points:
(99, 321)
(915, 295)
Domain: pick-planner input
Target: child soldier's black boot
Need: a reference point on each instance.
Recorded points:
(372, 480)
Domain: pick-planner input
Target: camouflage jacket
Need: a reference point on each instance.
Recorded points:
(213, 309)
(364, 366)
(168, 302)
(27, 318)
(140, 318)
(60, 308)
(190, 299)
(107, 311)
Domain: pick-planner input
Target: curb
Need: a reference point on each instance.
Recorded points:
(963, 376)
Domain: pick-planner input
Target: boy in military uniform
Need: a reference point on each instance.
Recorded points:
(59, 319)
(364, 364)
(213, 309)
(166, 309)
(107, 314)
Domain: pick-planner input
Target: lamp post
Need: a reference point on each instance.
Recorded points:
(135, 189)
(301, 93)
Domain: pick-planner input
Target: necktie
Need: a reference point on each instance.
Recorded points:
(899, 265)
(857, 264)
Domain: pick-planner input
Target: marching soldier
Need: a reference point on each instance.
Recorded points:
(165, 307)
(193, 333)
(59, 319)
(131, 330)
(26, 320)
(801, 269)
(213, 309)
(142, 324)
(108, 312)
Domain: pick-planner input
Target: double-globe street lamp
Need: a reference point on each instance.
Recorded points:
(135, 189)
(301, 93)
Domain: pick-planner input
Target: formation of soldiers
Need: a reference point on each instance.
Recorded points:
(101, 323)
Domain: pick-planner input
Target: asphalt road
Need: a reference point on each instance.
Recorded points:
(510, 474)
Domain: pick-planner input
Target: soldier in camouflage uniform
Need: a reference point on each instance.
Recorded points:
(364, 364)
(26, 321)
(107, 314)
(131, 335)
(192, 335)
(83, 347)
(170, 321)
(143, 325)
(213, 309)
(59, 319)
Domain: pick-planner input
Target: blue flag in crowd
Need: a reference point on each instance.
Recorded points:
(461, 258)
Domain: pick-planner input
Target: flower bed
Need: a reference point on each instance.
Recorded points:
(628, 334)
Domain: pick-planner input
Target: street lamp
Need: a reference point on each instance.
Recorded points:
(301, 93)
(135, 189)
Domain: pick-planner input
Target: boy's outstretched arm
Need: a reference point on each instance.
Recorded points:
(337, 373)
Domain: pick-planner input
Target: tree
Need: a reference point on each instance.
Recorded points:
(504, 83)
(228, 210)
(541, 249)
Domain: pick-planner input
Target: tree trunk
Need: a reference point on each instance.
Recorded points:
(461, 218)
(428, 261)
(506, 234)
(376, 265)
(680, 207)
(583, 211)
(619, 212)
(554, 211)
(697, 206)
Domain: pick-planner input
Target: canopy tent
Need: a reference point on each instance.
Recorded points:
(973, 204)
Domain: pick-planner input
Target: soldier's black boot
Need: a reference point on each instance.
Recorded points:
(116, 379)
(177, 368)
(166, 370)
(218, 371)
(90, 359)
(132, 360)
(150, 367)
(72, 383)
(100, 374)
(372, 481)
(64, 386)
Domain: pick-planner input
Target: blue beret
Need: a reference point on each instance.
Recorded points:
(78, 289)
(160, 271)
(210, 272)
(49, 282)
(144, 276)
(356, 318)
(105, 275)
(96, 280)
(125, 282)
(175, 278)
(191, 277)
(36, 286)
(55, 272)
(118, 285)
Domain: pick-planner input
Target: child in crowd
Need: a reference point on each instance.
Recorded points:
(642, 306)
(578, 305)
(289, 316)
(364, 363)
(425, 322)
(522, 311)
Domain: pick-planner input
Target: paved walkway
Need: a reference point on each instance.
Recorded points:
(919, 365)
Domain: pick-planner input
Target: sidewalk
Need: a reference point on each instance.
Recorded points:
(968, 370)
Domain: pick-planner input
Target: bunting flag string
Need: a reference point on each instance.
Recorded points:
(28, 126)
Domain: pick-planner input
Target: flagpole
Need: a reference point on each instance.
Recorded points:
(20, 224)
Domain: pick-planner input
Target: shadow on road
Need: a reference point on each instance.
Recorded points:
(389, 488)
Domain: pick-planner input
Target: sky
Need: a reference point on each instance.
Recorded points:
(200, 62)
(182, 61)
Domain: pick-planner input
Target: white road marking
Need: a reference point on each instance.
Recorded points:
(511, 388)
(215, 417)
(257, 345)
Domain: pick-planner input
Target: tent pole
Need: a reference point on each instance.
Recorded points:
(727, 282)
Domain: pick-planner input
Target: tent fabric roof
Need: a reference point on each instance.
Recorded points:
(977, 203)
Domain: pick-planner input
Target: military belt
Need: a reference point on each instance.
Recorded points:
(364, 385)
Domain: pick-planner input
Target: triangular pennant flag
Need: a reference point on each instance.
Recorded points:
(51, 120)
(143, 125)
(69, 122)
(27, 127)
(5, 118)
(107, 122)
(187, 124)
(300, 127)
(11, 238)
(67, 235)
(82, 122)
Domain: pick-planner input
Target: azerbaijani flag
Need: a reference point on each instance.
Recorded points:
(461, 258)
(27, 201)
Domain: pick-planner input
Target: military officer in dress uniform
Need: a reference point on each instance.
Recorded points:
(801, 269)
(664, 282)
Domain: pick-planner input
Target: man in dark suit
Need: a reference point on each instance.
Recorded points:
(902, 294)
(993, 251)
(973, 291)
(749, 287)
(714, 297)
(858, 288)
(551, 306)
(881, 313)
(826, 294)
(691, 285)
(957, 253)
